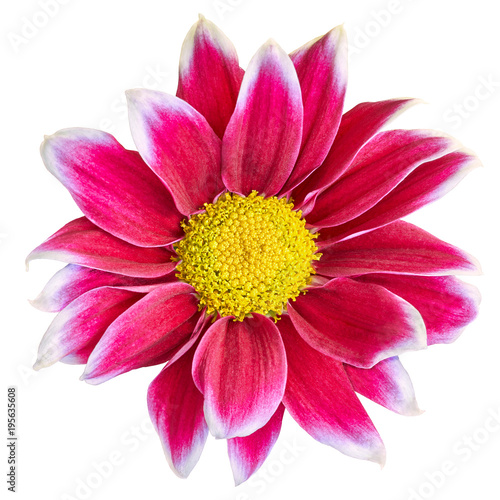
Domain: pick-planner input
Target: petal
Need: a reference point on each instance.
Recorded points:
(176, 410)
(209, 74)
(356, 128)
(82, 242)
(147, 333)
(72, 281)
(388, 384)
(399, 247)
(321, 66)
(357, 323)
(112, 186)
(178, 144)
(427, 183)
(248, 453)
(379, 167)
(446, 304)
(263, 137)
(320, 398)
(240, 367)
(80, 325)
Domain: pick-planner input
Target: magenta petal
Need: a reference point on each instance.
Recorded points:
(248, 453)
(263, 137)
(148, 333)
(377, 169)
(357, 323)
(240, 367)
(209, 74)
(321, 66)
(388, 384)
(79, 326)
(320, 398)
(179, 145)
(72, 281)
(427, 183)
(82, 242)
(356, 128)
(446, 304)
(112, 186)
(176, 410)
(399, 247)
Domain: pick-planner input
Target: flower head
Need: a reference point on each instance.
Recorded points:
(254, 245)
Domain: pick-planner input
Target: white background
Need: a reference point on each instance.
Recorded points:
(72, 70)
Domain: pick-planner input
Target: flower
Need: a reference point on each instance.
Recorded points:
(254, 244)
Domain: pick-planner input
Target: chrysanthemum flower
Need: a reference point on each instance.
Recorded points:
(253, 243)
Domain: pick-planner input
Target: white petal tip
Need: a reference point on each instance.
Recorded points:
(380, 458)
(239, 480)
(42, 362)
(40, 304)
(131, 94)
(338, 31)
(412, 410)
(271, 42)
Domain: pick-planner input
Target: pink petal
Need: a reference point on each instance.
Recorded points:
(112, 186)
(357, 323)
(377, 169)
(321, 66)
(72, 281)
(427, 183)
(357, 127)
(79, 326)
(179, 145)
(263, 137)
(399, 247)
(209, 74)
(176, 410)
(240, 367)
(446, 304)
(148, 333)
(248, 453)
(320, 398)
(83, 243)
(388, 384)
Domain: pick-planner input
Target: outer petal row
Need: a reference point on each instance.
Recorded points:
(320, 398)
(240, 367)
(427, 183)
(388, 384)
(359, 324)
(321, 67)
(148, 333)
(248, 453)
(179, 145)
(263, 138)
(209, 74)
(72, 281)
(446, 304)
(176, 410)
(399, 247)
(377, 169)
(82, 242)
(74, 333)
(112, 186)
(356, 128)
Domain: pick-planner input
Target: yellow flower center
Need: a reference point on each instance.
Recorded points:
(246, 254)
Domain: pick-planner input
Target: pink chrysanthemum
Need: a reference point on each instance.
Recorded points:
(254, 245)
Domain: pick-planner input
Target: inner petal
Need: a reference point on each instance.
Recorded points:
(246, 254)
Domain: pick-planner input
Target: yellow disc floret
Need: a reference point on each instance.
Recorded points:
(246, 254)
